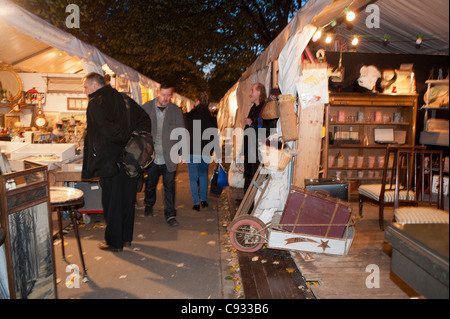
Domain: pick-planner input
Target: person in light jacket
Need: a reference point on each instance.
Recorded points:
(165, 117)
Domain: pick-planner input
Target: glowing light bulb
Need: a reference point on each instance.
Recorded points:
(355, 41)
(350, 15)
(328, 39)
(317, 35)
(419, 39)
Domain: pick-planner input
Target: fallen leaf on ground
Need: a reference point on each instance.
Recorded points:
(290, 270)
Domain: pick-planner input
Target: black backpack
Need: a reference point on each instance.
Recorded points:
(139, 152)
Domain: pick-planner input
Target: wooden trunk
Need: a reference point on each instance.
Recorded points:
(313, 213)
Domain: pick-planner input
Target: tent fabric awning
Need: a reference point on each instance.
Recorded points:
(34, 45)
(401, 20)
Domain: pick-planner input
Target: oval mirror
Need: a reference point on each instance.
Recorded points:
(10, 82)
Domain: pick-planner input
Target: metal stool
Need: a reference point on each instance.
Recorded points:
(68, 197)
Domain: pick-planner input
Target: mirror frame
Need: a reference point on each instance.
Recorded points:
(7, 68)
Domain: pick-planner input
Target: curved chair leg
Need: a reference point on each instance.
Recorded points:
(360, 207)
(381, 216)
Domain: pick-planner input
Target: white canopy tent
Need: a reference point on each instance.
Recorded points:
(402, 20)
(30, 44)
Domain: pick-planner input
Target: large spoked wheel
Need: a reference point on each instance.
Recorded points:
(248, 233)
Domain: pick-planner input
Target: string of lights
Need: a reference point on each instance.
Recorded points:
(349, 16)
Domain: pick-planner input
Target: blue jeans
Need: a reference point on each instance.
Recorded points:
(198, 178)
(169, 188)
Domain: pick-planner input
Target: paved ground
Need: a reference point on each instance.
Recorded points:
(184, 262)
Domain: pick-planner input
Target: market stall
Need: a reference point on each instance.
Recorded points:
(41, 60)
(358, 87)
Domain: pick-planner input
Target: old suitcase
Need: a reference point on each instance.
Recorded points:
(335, 188)
(325, 215)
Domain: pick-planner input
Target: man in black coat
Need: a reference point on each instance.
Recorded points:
(106, 135)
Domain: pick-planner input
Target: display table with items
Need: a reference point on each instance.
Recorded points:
(420, 257)
(52, 155)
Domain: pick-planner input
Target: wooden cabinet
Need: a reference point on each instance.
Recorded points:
(359, 128)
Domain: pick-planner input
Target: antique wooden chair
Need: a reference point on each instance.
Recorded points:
(426, 181)
(382, 194)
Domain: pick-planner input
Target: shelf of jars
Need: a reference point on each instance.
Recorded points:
(359, 128)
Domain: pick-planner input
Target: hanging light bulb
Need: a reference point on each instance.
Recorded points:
(329, 38)
(317, 35)
(355, 40)
(386, 39)
(419, 39)
(333, 23)
(350, 15)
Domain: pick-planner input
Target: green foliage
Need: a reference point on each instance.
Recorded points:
(177, 40)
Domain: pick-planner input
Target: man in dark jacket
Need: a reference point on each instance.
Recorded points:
(106, 135)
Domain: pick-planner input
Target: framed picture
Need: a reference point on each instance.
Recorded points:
(25, 216)
(77, 104)
(11, 120)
